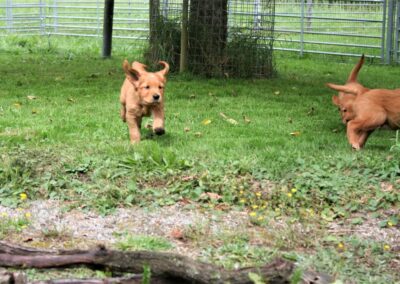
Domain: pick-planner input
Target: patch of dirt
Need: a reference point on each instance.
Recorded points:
(53, 227)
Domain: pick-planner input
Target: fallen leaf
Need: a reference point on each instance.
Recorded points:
(211, 195)
(17, 104)
(31, 97)
(186, 129)
(232, 121)
(198, 134)
(246, 119)
(177, 233)
(187, 178)
(295, 133)
(206, 121)
(71, 100)
(34, 111)
(228, 119)
(94, 75)
(311, 111)
(277, 93)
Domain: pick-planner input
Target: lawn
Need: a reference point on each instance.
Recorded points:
(273, 148)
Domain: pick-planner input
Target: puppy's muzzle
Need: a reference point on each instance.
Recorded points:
(156, 98)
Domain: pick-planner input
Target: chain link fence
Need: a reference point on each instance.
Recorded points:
(329, 27)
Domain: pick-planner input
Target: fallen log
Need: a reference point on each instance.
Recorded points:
(165, 267)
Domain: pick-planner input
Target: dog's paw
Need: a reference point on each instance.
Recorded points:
(159, 131)
(356, 147)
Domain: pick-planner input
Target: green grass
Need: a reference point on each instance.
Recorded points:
(149, 243)
(287, 158)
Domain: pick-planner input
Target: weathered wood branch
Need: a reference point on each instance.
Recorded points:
(163, 265)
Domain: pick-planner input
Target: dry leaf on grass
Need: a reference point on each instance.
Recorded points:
(295, 133)
(206, 121)
(228, 119)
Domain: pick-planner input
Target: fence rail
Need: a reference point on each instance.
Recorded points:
(334, 27)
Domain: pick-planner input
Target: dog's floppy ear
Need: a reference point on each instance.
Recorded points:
(164, 71)
(139, 67)
(354, 73)
(335, 100)
(131, 74)
(349, 89)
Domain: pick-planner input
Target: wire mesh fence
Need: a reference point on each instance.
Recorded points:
(331, 27)
(241, 49)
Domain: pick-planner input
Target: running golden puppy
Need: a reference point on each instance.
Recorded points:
(142, 94)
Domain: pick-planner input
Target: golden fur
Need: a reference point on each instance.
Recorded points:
(344, 100)
(364, 110)
(142, 94)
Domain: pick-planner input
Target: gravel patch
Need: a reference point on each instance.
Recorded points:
(81, 229)
(89, 228)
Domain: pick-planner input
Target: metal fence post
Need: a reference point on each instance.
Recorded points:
(165, 9)
(9, 15)
(389, 32)
(302, 3)
(257, 17)
(42, 16)
(108, 27)
(98, 17)
(55, 16)
(396, 50)
(384, 6)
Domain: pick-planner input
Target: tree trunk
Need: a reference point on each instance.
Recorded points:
(208, 30)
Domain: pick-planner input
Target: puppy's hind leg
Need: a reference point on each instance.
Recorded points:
(363, 138)
(359, 129)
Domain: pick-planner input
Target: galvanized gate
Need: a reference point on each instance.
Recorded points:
(331, 27)
(397, 34)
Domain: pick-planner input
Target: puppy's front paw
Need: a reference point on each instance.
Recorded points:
(159, 131)
(356, 147)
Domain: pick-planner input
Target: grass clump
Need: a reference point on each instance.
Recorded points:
(135, 242)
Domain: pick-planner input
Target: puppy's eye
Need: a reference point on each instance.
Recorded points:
(160, 87)
(344, 110)
(147, 87)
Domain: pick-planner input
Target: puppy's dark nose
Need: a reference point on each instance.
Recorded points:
(156, 97)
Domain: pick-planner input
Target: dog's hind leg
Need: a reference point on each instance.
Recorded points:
(363, 138)
(360, 128)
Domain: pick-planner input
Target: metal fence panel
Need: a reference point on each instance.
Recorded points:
(336, 27)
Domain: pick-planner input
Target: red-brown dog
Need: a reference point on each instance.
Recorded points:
(369, 109)
(344, 101)
(142, 94)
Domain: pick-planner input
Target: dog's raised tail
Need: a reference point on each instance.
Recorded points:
(354, 73)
